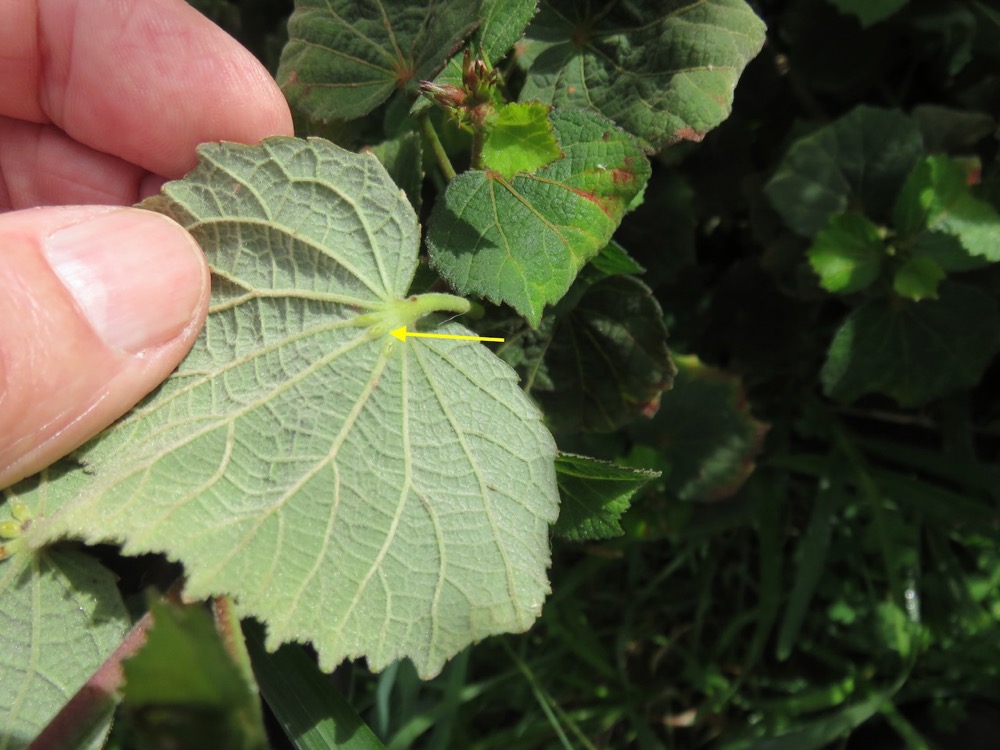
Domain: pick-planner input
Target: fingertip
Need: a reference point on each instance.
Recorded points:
(97, 306)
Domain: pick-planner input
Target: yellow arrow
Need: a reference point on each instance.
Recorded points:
(401, 333)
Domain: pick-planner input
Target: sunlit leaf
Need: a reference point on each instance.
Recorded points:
(937, 198)
(520, 139)
(345, 57)
(663, 70)
(60, 617)
(847, 254)
(522, 240)
(378, 498)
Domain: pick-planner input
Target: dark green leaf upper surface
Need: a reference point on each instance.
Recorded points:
(936, 198)
(345, 57)
(594, 496)
(599, 359)
(375, 497)
(913, 351)
(706, 435)
(664, 70)
(859, 162)
(847, 254)
(523, 240)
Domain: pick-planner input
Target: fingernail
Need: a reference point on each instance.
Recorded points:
(136, 275)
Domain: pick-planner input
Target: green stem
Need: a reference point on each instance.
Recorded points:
(430, 134)
(478, 136)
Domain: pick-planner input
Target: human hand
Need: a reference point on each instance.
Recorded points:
(100, 101)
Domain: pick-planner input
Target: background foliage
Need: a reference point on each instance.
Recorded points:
(816, 564)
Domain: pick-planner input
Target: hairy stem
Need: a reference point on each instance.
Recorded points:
(431, 136)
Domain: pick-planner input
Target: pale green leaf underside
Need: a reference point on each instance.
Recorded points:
(378, 498)
(60, 618)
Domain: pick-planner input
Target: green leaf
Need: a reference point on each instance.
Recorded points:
(859, 162)
(182, 689)
(937, 197)
(594, 495)
(918, 279)
(613, 260)
(314, 715)
(523, 240)
(61, 617)
(664, 71)
(869, 12)
(402, 158)
(707, 437)
(379, 498)
(913, 351)
(520, 139)
(945, 251)
(847, 254)
(599, 359)
(346, 57)
(502, 23)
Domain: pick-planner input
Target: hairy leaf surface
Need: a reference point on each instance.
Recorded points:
(522, 240)
(376, 497)
(595, 494)
(345, 57)
(60, 618)
(665, 71)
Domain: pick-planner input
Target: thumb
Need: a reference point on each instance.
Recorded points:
(97, 306)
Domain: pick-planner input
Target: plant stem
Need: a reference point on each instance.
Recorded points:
(476, 160)
(430, 134)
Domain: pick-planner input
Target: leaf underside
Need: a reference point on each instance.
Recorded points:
(377, 498)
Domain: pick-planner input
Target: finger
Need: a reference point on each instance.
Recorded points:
(144, 81)
(97, 306)
(41, 166)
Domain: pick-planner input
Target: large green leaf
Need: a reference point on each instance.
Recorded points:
(707, 437)
(60, 618)
(858, 162)
(936, 198)
(664, 70)
(599, 359)
(345, 57)
(379, 498)
(522, 240)
(913, 351)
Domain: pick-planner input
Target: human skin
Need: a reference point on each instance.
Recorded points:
(101, 101)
